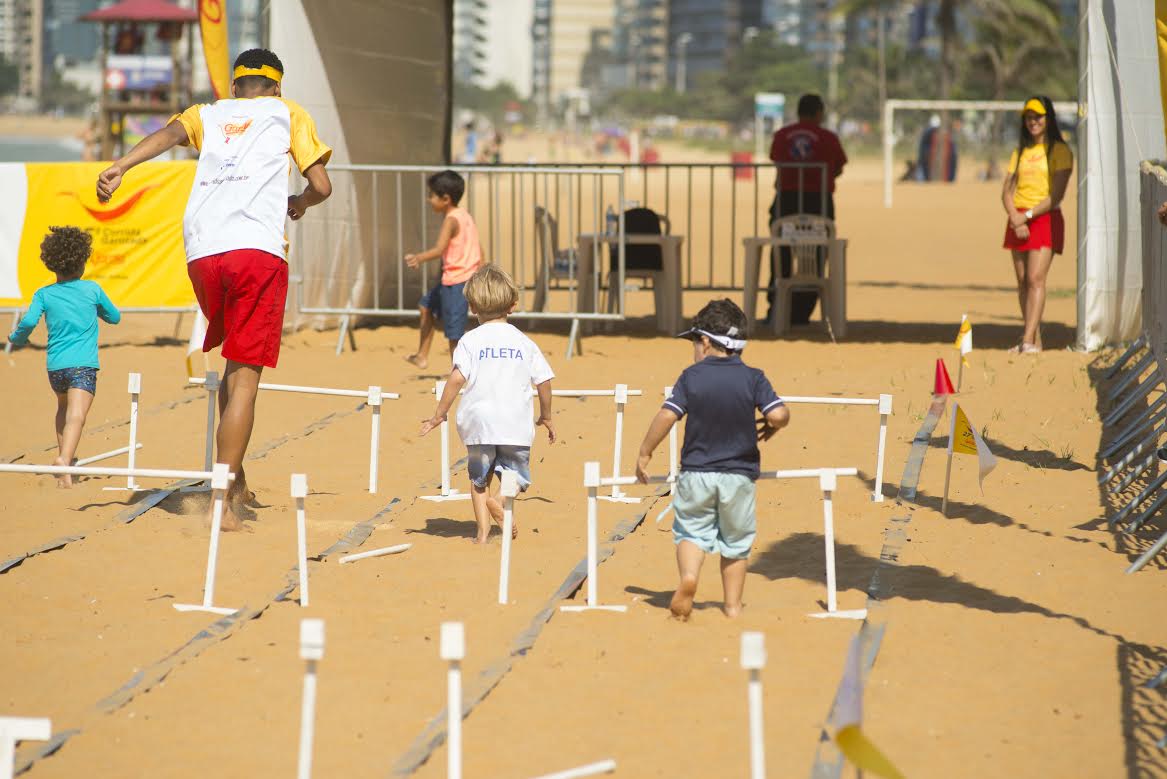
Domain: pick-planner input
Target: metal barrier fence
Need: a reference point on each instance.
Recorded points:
(380, 213)
(349, 260)
(1135, 423)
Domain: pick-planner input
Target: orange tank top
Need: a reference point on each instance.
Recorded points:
(463, 254)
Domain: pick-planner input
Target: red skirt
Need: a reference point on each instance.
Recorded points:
(1047, 230)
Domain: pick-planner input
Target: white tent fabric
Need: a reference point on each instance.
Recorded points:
(1121, 125)
(376, 77)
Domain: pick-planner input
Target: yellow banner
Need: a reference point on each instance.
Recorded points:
(213, 26)
(138, 256)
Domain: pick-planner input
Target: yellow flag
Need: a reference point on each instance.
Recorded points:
(964, 337)
(848, 715)
(966, 440)
(213, 26)
(862, 754)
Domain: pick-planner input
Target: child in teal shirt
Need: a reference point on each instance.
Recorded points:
(71, 308)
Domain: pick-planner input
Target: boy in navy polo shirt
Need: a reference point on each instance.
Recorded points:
(714, 496)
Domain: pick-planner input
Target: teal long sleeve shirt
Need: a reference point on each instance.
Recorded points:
(70, 309)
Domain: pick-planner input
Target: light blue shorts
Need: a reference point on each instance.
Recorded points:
(715, 511)
(485, 459)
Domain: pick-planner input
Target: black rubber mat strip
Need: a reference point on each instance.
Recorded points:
(434, 734)
(829, 761)
(124, 518)
(147, 678)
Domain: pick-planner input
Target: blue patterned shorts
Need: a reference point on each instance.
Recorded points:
(484, 459)
(73, 378)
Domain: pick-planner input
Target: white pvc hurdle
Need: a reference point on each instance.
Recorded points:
(453, 650)
(753, 659)
(220, 478)
(593, 482)
(13, 729)
(828, 481)
(388, 550)
(373, 397)
(299, 493)
(884, 405)
(510, 488)
(311, 652)
(105, 455)
(79, 470)
(591, 769)
(447, 492)
(135, 389)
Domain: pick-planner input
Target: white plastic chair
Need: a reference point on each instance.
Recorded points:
(810, 260)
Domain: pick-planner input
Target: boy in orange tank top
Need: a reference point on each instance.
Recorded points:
(461, 253)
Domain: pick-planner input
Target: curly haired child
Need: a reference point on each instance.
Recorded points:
(71, 308)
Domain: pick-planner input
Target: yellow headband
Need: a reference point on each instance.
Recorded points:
(1034, 105)
(266, 71)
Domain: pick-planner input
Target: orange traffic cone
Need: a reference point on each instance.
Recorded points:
(943, 384)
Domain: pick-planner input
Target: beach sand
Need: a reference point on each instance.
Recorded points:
(1014, 644)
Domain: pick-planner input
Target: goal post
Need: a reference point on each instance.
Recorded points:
(891, 106)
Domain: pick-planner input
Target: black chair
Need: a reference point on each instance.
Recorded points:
(640, 257)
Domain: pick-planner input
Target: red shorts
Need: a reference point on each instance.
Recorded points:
(242, 295)
(1047, 230)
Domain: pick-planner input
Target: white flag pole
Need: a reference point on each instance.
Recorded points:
(948, 467)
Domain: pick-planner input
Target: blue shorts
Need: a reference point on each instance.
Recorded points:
(715, 511)
(66, 379)
(485, 459)
(449, 305)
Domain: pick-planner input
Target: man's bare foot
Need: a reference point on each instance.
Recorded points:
(732, 611)
(64, 481)
(498, 515)
(229, 522)
(417, 361)
(682, 603)
(479, 539)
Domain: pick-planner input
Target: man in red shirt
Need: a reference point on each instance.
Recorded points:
(799, 190)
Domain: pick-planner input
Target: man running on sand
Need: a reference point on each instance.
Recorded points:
(234, 232)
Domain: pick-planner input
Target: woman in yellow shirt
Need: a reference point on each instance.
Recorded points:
(1039, 171)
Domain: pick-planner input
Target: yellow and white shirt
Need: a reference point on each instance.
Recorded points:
(1035, 171)
(240, 194)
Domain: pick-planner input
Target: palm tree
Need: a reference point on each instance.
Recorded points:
(1041, 12)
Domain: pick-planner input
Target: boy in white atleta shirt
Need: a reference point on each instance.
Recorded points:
(498, 366)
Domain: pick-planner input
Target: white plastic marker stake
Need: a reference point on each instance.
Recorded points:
(510, 488)
(591, 769)
(621, 398)
(885, 402)
(828, 482)
(592, 482)
(453, 650)
(13, 729)
(753, 659)
(444, 431)
(212, 407)
(311, 652)
(948, 466)
(299, 492)
(375, 441)
(388, 550)
(135, 390)
(219, 481)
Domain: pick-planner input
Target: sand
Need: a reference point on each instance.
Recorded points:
(1014, 644)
